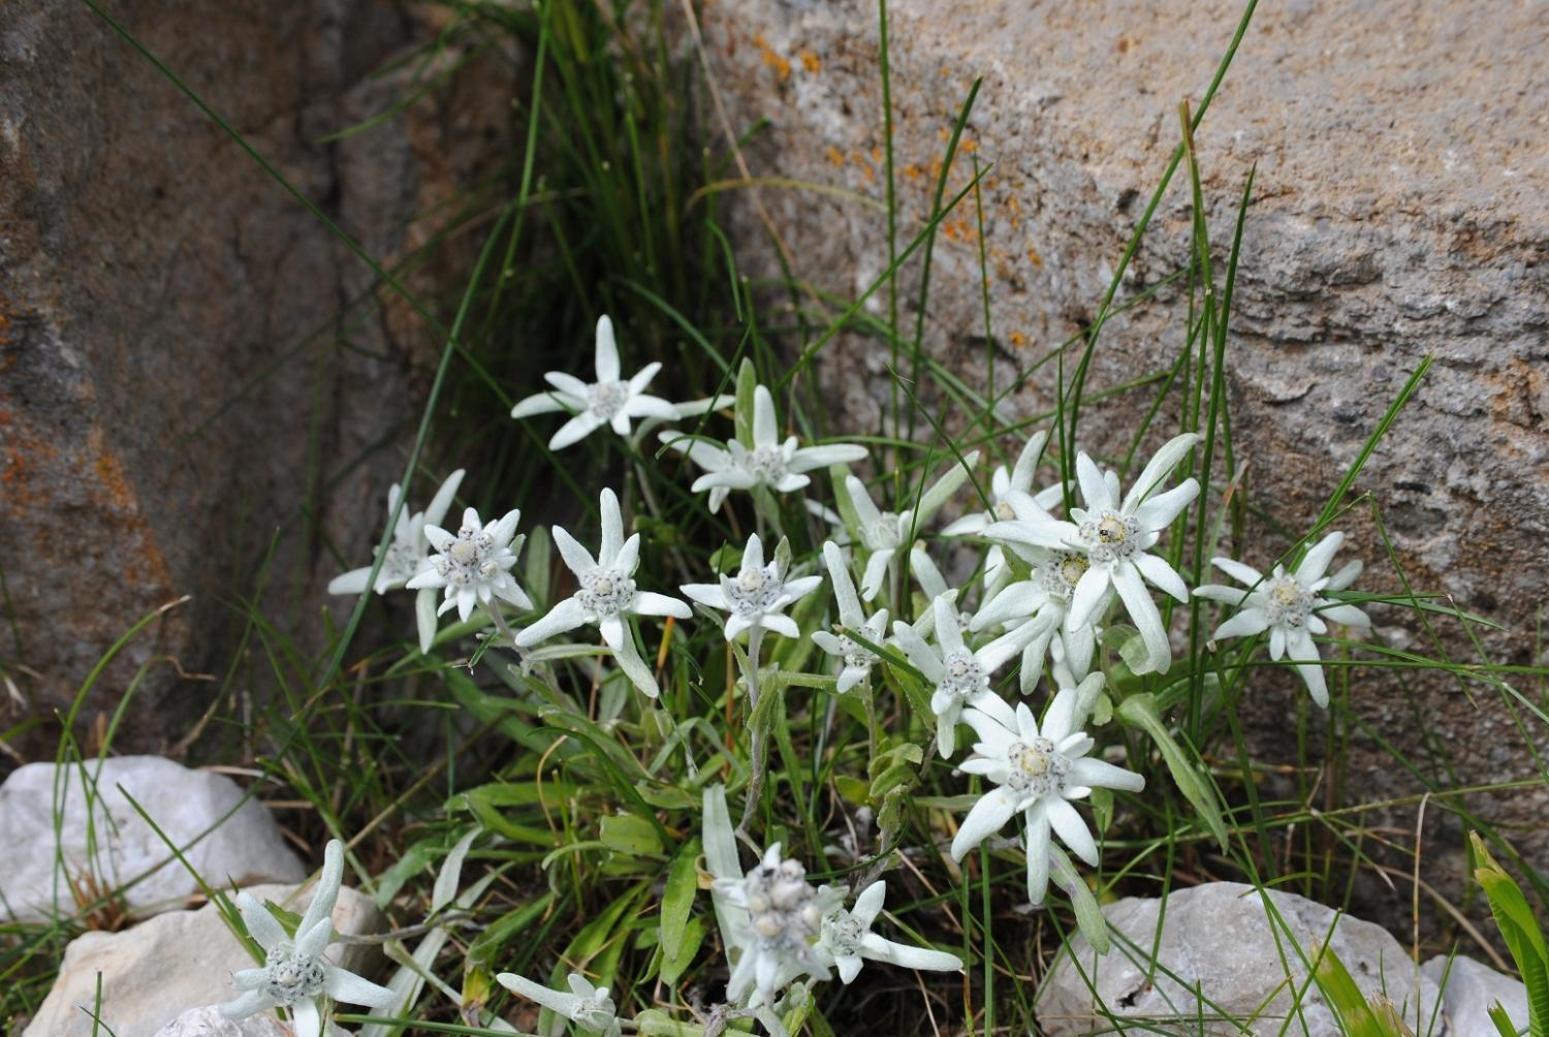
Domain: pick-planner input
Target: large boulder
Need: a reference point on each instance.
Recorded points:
(1222, 964)
(78, 845)
(158, 970)
(191, 365)
(1399, 212)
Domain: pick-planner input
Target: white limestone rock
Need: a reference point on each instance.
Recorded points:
(1223, 960)
(176, 961)
(1468, 992)
(110, 846)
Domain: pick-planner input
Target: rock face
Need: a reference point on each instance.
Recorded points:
(105, 846)
(1400, 211)
(190, 364)
(1468, 989)
(1219, 959)
(181, 960)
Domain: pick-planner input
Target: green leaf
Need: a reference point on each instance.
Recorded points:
(630, 835)
(1357, 1016)
(674, 965)
(747, 382)
(1140, 711)
(1522, 932)
(678, 899)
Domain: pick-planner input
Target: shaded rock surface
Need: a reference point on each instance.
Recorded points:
(1400, 211)
(1221, 959)
(101, 844)
(1469, 988)
(161, 968)
(191, 365)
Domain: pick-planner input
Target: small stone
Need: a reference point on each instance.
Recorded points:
(208, 1022)
(1469, 991)
(177, 961)
(1222, 959)
(244, 848)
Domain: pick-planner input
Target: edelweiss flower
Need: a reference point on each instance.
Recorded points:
(782, 917)
(606, 595)
(961, 677)
(1037, 772)
(606, 401)
(857, 660)
(779, 466)
(885, 533)
(589, 1007)
(296, 976)
(1006, 489)
(474, 566)
(1044, 599)
(1288, 605)
(405, 555)
(847, 940)
(1114, 536)
(755, 596)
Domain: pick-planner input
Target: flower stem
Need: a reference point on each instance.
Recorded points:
(760, 746)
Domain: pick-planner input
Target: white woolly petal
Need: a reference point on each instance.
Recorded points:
(987, 817)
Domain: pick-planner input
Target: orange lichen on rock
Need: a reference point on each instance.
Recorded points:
(772, 59)
(811, 62)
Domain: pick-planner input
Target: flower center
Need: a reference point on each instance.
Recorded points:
(606, 592)
(1058, 576)
(469, 559)
(842, 933)
(753, 591)
(964, 677)
(606, 399)
(853, 654)
(766, 463)
(1110, 537)
(782, 907)
(885, 533)
(1003, 511)
(1286, 602)
(290, 977)
(401, 563)
(1036, 769)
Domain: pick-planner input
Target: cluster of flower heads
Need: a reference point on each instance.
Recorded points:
(1050, 587)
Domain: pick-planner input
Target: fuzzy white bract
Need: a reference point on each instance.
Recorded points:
(1037, 771)
(607, 595)
(961, 677)
(847, 941)
(588, 1006)
(754, 597)
(885, 533)
(406, 555)
(1114, 535)
(473, 566)
(782, 920)
(780, 466)
(295, 975)
(608, 401)
(1007, 489)
(855, 659)
(1290, 607)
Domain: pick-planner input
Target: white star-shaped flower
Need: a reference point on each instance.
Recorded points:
(607, 401)
(848, 942)
(296, 976)
(1289, 605)
(1006, 489)
(405, 556)
(473, 566)
(588, 1006)
(885, 533)
(856, 660)
(756, 595)
(606, 596)
(1115, 535)
(961, 677)
(1037, 772)
(778, 917)
(781, 466)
